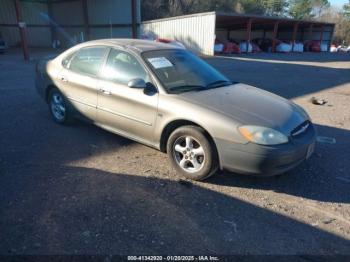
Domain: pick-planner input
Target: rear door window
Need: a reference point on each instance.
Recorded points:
(66, 60)
(88, 60)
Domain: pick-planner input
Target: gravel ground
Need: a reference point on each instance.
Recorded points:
(82, 190)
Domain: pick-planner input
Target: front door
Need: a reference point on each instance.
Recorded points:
(128, 111)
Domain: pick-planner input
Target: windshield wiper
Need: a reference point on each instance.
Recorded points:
(187, 88)
(219, 83)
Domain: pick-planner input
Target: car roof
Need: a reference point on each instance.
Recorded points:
(137, 45)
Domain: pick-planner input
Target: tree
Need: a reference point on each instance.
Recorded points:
(153, 9)
(253, 7)
(318, 6)
(275, 7)
(306, 9)
(300, 9)
(181, 7)
(346, 10)
(342, 24)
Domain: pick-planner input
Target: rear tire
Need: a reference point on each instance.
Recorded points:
(59, 108)
(192, 153)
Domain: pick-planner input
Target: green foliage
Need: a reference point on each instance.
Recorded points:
(319, 6)
(346, 10)
(306, 9)
(152, 9)
(275, 7)
(264, 7)
(253, 7)
(300, 9)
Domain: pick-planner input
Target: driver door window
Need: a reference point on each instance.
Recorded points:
(121, 67)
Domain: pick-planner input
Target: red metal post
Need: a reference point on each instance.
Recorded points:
(134, 18)
(86, 19)
(310, 31)
(249, 32)
(275, 31)
(294, 37)
(52, 28)
(22, 30)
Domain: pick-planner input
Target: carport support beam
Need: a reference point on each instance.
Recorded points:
(275, 30)
(52, 27)
(22, 30)
(331, 39)
(295, 32)
(133, 18)
(321, 34)
(86, 19)
(249, 33)
(310, 31)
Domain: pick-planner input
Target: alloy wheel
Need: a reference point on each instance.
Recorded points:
(58, 107)
(188, 154)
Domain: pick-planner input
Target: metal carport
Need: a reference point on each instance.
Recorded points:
(285, 28)
(198, 31)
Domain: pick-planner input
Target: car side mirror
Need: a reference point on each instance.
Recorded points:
(150, 89)
(137, 83)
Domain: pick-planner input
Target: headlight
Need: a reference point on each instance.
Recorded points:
(262, 135)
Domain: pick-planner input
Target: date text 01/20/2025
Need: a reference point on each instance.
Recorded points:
(173, 258)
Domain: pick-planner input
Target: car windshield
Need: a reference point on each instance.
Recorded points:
(181, 71)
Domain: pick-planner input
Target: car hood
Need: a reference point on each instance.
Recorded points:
(249, 105)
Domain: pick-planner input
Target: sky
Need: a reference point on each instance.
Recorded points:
(338, 3)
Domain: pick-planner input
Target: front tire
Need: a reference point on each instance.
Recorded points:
(192, 153)
(59, 108)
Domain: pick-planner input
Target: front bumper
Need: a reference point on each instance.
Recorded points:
(262, 160)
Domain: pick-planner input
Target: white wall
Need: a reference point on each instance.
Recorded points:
(196, 32)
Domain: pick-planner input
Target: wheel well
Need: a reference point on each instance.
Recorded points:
(174, 125)
(47, 91)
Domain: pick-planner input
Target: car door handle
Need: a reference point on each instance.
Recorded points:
(64, 79)
(106, 92)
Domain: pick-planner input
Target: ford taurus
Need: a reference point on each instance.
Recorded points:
(170, 99)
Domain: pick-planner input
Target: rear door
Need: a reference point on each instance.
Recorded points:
(129, 111)
(78, 80)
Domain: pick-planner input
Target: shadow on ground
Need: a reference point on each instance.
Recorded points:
(88, 211)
